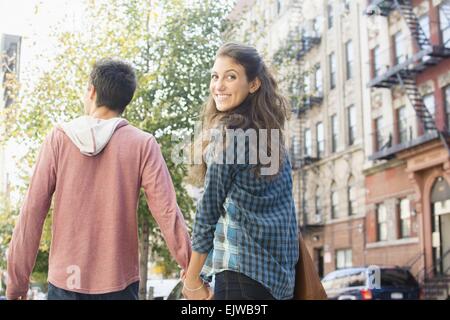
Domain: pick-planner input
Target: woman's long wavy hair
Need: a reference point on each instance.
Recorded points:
(264, 109)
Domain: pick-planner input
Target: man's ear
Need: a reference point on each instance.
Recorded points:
(255, 85)
(92, 92)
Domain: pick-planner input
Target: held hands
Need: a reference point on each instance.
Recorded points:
(196, 288)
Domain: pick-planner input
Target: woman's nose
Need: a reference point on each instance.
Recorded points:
(219, 85)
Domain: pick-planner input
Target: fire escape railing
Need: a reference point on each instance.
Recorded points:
(404, 74)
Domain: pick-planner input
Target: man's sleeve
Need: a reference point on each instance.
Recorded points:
(27, 233)
(162, 202)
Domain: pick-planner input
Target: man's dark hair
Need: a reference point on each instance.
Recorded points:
(115, 83)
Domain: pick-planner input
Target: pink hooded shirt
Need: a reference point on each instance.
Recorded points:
(94, 170)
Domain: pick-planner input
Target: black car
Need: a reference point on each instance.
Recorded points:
(371, 283)
(176, 294)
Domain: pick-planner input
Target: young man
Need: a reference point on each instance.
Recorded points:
(94, 167)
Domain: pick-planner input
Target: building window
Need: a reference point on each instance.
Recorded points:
(332, 63)
(399, 48)
(317, 26)
(334, 132)
(402, 125)
(351, 118)
(296, 146)
(320, 140)
(308, 143)
(343, 258)
(317, 203)
(424, 22)
(349, 59)
(351, 193)
(9, 66)
(379, 133)
(318, 81)
(381, 223)
(444, 23)
(429, 102)
(376, 61)
(330, 16)
(334, 201)
(347, 5)
(447, 105)
(405, 219)
(306, 84)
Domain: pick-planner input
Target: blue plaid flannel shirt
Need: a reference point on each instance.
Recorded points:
(248, 224)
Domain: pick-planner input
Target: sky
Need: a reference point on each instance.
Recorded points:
(31, 17)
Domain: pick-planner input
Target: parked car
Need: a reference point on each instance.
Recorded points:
(161, 288)
(394, 283)
(36, 292)
(176, 294)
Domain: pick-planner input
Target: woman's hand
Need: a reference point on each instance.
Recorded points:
(193, 286)
(196, 289)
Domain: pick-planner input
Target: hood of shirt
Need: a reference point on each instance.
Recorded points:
(91, 135)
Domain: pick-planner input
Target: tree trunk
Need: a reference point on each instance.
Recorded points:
(143, 259)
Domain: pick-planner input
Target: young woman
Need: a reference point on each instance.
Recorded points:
(245, 230)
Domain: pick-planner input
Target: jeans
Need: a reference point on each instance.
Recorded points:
(129, 293)
(231, 285)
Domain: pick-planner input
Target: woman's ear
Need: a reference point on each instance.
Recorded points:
(254, 85)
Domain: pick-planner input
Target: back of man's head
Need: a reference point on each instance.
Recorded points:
(115, 83)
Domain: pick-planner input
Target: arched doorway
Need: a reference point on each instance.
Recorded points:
(440, 226)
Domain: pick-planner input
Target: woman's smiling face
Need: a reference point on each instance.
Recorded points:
(229, 85)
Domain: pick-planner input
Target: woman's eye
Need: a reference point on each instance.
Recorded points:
(214, 76)
(232, 77)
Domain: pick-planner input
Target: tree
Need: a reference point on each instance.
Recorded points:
(172, 45)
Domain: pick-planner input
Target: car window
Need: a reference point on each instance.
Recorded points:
(328, 277)
(327, 281)
(397, 278)
(357, 279)
(344, 279)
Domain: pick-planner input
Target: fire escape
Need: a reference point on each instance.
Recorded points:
(404, 75)
(301, 157)
(435, 284)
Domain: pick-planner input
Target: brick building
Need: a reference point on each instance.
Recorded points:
(368, 135)
(326, 131)
(408, 212)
